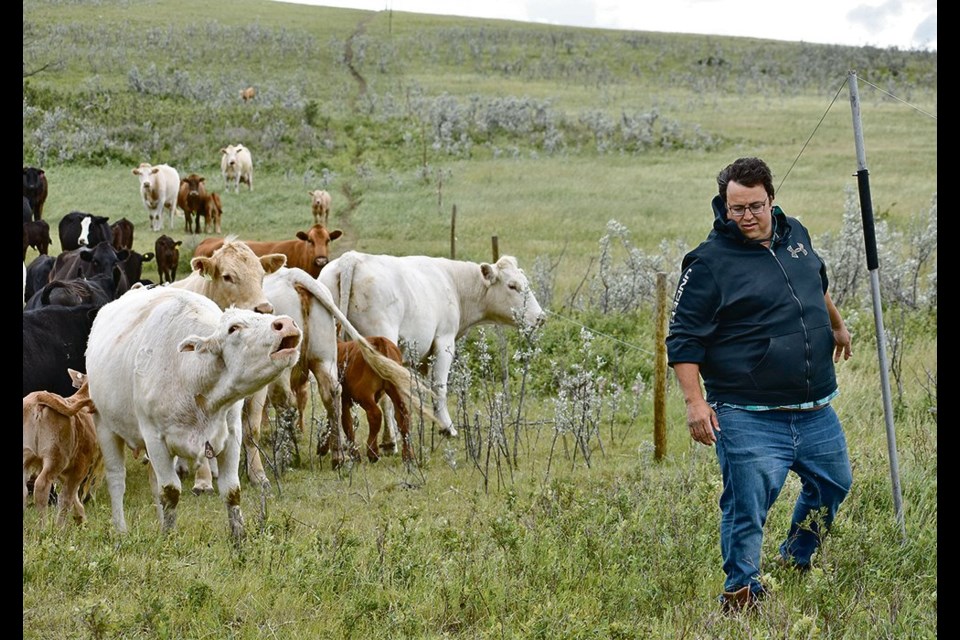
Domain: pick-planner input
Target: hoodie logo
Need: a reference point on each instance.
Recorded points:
(795, 253)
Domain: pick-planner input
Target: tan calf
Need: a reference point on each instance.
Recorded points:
(60, 445)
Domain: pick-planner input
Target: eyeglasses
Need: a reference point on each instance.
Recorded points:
(738, 210)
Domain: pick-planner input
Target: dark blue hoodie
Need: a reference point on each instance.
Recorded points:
(754, 318)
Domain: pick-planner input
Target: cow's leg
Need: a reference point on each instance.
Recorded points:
(229, 463)
(302, 393)
(328, 386)
(186, 221)
(388, 444)
(203, 479)
(439, 374)
(254, 413)
(28, 460)
(70, 497)
(112, 449)
(44, 482)
(403, 421)
(374, 421)
(349, 433)
(166, 483)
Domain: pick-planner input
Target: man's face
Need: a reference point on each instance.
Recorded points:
(749, 208)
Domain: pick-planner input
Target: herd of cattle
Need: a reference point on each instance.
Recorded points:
(185, 371)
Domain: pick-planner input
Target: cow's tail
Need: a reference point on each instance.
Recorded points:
(414, 391)
(347, 264)
(68, 407)
(95, 475)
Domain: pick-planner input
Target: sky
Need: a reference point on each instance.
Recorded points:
(905, 24)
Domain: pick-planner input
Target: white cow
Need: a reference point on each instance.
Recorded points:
(320, 205)
(159, 186)
(236, 165)
(295, 293)
(232, 277)
(424, 304)
(168, 371)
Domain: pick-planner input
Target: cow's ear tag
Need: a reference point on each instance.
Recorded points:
(207, 276)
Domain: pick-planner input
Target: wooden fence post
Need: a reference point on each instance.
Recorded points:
(453, 233)
(660, 372)
(495, 245)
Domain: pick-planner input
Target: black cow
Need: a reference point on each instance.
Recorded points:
(38, 274)
(98, 290)
(76, 232)
(36, 234)
(122, 231)
(55, 339)
(133, 265)
(35, 190)
(87, 263)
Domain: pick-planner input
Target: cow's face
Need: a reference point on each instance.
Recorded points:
(318, 241)
(194, 184)
(508, 297)
(33, 180)
(234, 275)
(250, 349)
(230, 154)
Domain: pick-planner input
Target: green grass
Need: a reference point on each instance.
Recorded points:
(466, 544)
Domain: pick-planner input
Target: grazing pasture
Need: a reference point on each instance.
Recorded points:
(591, 156)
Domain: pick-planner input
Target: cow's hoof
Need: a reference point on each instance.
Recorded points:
(388, 448)
(197, 491)
(451, 432)
(260, 481)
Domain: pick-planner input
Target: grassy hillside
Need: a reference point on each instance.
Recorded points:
(413, 114)
(591, 155)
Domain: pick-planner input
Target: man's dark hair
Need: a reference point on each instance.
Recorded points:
(746, 171)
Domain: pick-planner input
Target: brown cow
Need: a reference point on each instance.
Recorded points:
(310, 251)
(360, 384)
(60, 441)
(194, 199)
(213, 214)
(36, 234)
(248, 94)
(122, 234)
(168, 257)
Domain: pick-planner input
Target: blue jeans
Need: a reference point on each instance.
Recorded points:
(755, 450)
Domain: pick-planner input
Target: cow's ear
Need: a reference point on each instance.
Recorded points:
(193, 343)
(178, 243)
(136, 171)
(155, 170)
(147, 257)
(489, 272)
(203, 266)
(336, 233)
(273, 261)
(76, 378)
(223, 150)
(302, 236)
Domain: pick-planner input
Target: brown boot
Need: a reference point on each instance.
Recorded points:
(739, 600)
